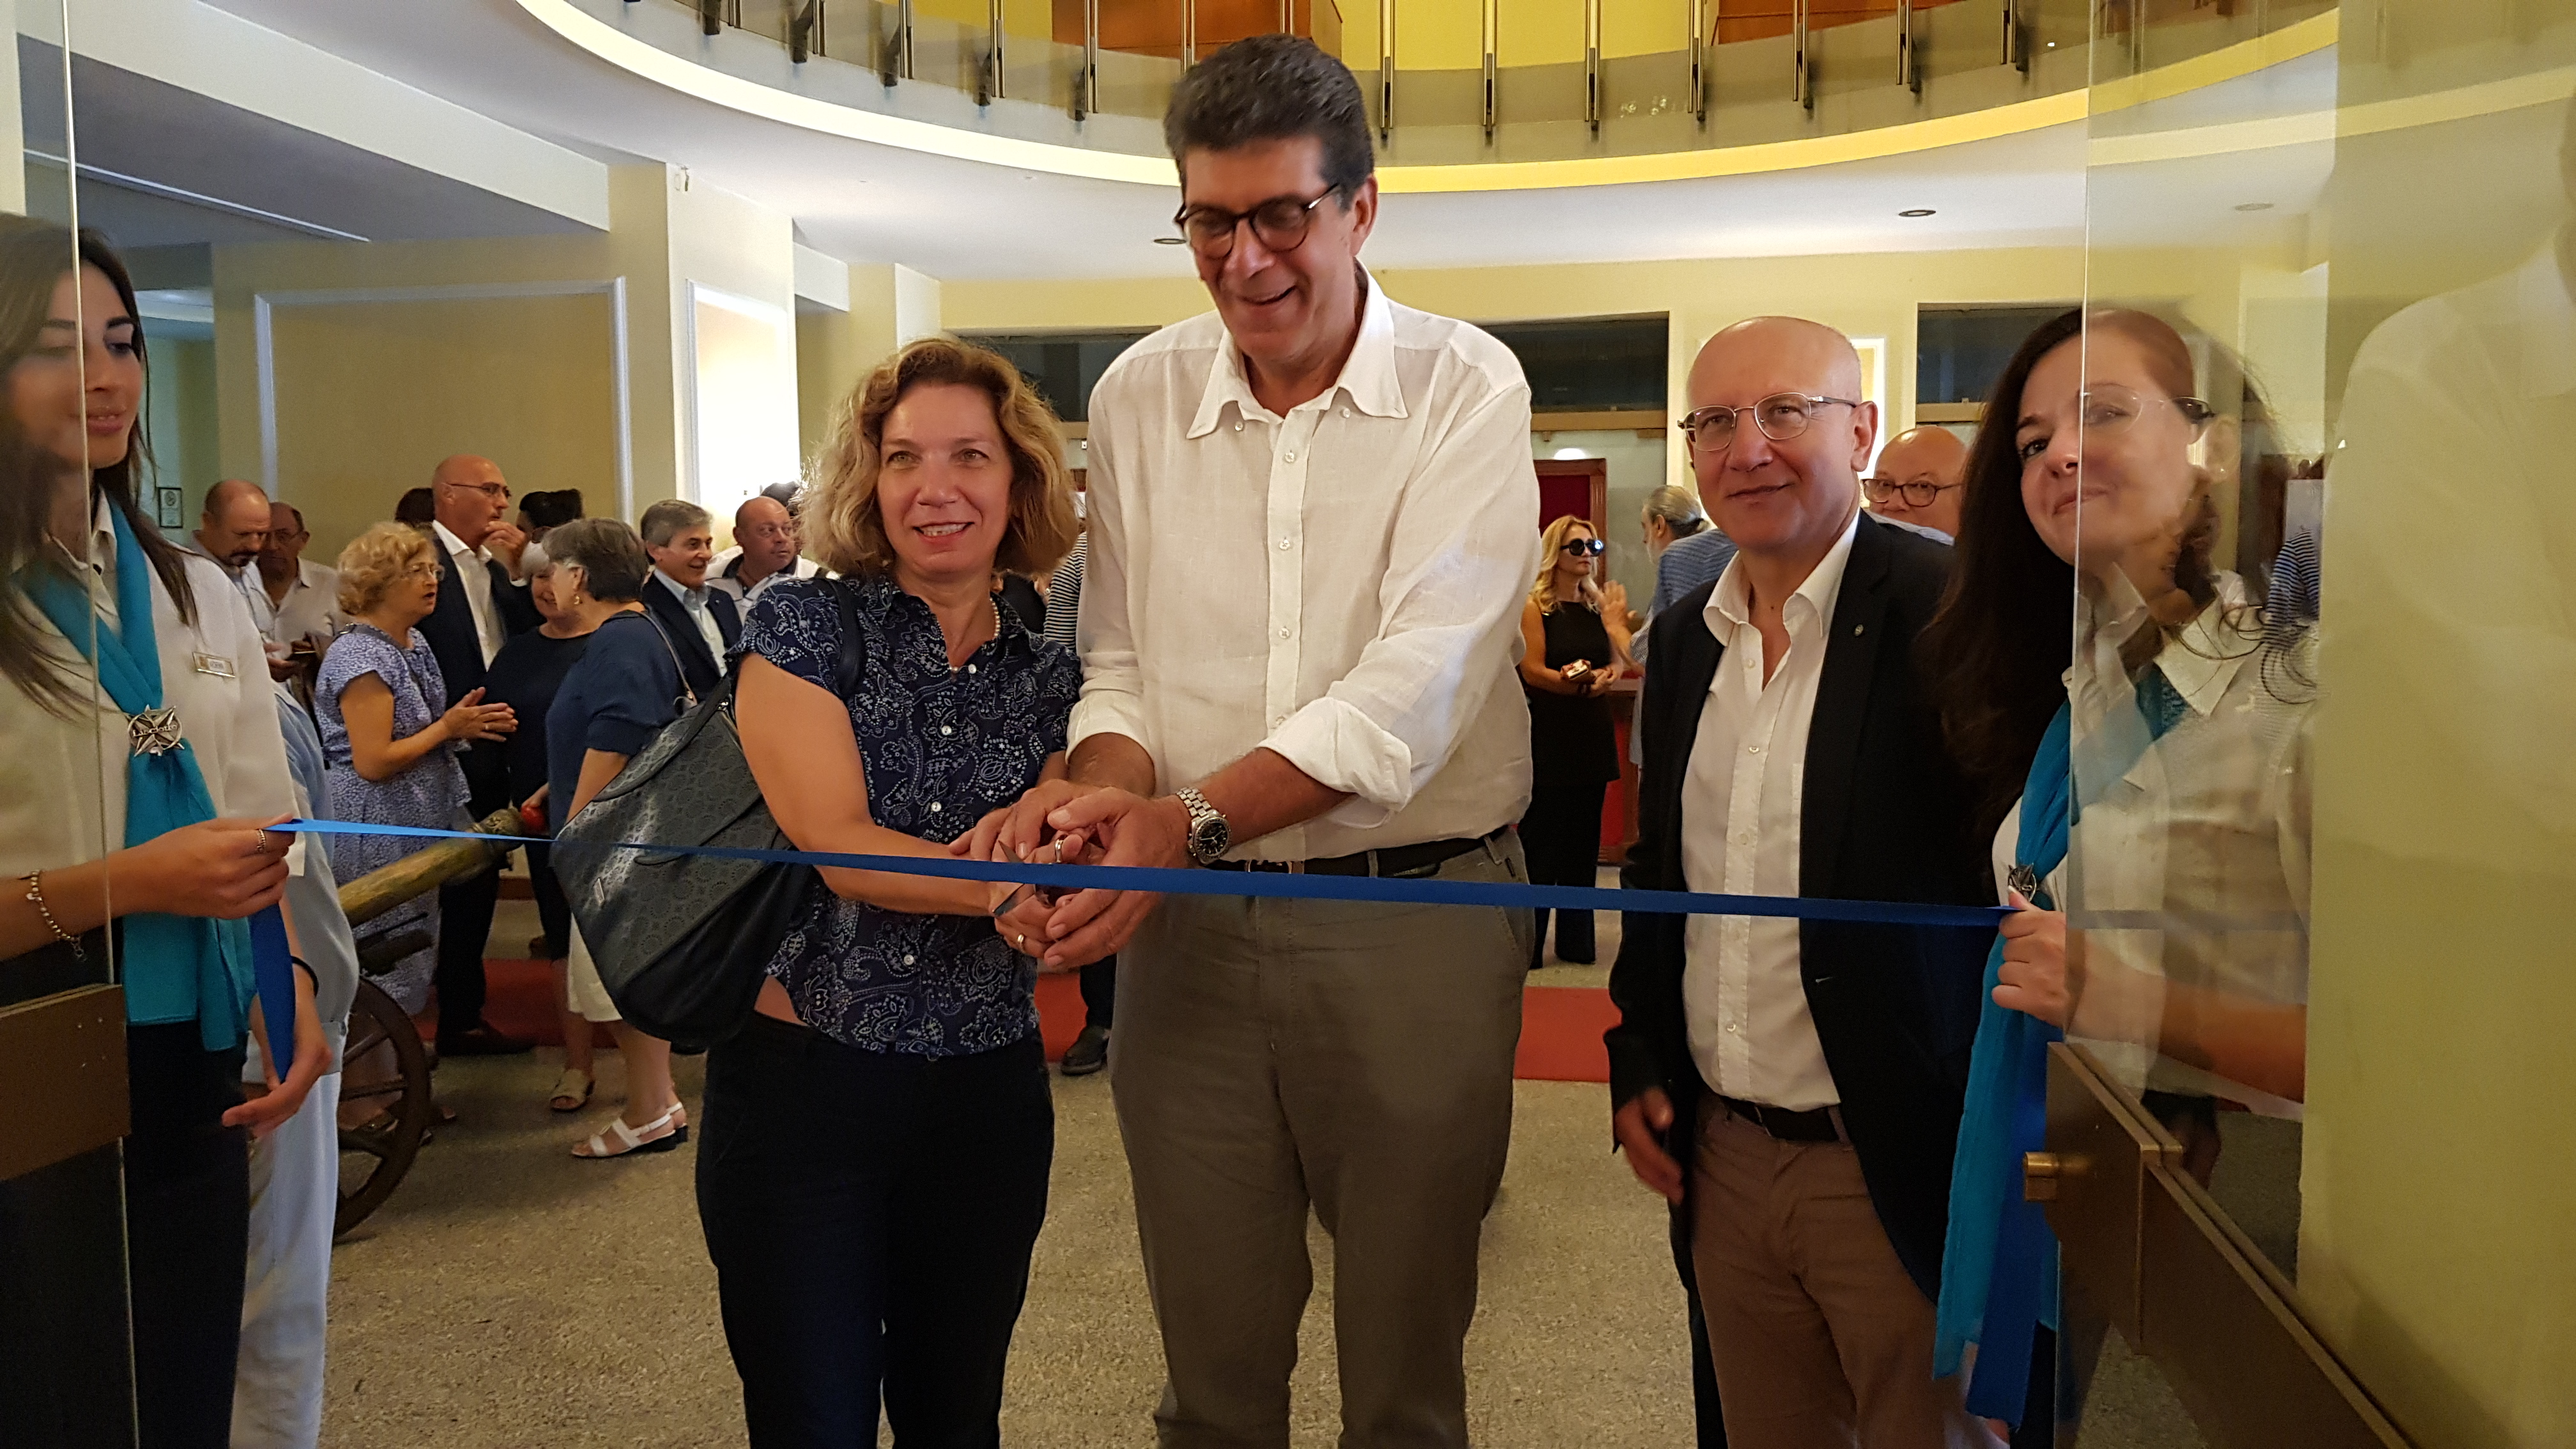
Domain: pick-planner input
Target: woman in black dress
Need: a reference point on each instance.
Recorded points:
(1574, 636)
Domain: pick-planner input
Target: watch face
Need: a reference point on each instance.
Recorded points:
(1208, 838)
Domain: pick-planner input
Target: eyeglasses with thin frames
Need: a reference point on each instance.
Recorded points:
(2109, 409)
(1281, 224)
(1781, 416)
(497, 492)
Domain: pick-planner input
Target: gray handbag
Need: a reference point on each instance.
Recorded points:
(682, 941)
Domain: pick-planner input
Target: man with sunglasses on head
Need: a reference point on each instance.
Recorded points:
(1793, 1088)
(1917, 481)
(1312, 524)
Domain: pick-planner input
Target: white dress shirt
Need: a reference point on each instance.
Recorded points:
(694, 602)
(473, 569)
(312, 606)
(1342, 585)
(1742, 813)
(62, 781)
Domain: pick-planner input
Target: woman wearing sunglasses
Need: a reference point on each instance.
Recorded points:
(1574, 642)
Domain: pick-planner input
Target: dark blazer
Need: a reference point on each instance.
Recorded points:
(1886, 816)
(700, 668)
(459, 652)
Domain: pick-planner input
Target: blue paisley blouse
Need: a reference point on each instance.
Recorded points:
(941, 748)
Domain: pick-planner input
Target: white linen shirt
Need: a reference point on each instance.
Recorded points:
(1342, 585)
(312, 607)
(719, 578)
(473, 572)
(1743, 811)
(62, 781)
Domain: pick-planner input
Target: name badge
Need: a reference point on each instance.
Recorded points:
(214, 664)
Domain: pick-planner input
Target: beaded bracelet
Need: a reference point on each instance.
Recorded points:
(36, 895)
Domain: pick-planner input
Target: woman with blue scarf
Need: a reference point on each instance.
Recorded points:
(2163, 739)
(140, 761)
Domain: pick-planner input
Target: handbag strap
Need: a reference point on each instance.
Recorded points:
(688, 697)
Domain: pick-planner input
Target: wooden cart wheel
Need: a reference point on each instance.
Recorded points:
(385, 1110)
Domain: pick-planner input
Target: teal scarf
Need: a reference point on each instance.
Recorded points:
(1999, 1263)
(177, 968)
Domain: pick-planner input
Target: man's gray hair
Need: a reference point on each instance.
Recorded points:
(664, 521)
(1274, 88)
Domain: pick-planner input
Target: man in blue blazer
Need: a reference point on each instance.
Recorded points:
(701, 624)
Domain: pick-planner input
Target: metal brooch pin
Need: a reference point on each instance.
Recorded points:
(155, 731)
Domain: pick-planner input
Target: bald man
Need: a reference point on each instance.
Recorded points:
(765, 538)
(232, 531)
(481, 603)
(1917, 480)
(1793, 1089)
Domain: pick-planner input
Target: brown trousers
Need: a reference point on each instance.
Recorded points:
(1818, 1336)
(1277, 1056)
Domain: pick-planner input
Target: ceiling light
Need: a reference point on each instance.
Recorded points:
(1571, 455)
(2253, 206)
(1916, 211)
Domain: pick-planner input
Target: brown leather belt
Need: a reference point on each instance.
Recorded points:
(1395, 860)
(1784, 1125)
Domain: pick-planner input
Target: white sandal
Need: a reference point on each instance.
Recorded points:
(657, 1135)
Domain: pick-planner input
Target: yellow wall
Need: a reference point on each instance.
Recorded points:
(1450, 35)
(370, 396)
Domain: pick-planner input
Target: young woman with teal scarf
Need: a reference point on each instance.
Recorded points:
(2114, 692)
(140, 759)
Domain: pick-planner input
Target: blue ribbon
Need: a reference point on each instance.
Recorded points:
(1390, 890)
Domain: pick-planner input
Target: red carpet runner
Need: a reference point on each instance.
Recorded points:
(1561, 1026)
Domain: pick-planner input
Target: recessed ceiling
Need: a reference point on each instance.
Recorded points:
(962, 219)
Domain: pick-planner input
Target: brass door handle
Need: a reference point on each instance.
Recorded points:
(2041, 1172)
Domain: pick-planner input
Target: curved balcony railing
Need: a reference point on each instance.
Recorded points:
(1457, 82)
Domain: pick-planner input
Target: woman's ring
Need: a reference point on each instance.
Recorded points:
(1020, 940)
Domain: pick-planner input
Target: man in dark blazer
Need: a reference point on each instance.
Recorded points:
(1794, 1089)
(702, 624)
(479, 608)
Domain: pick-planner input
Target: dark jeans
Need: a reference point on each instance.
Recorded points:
(1100, 992)
(554, 913)
(187, 1231)
(464, 924)
(1561, 835)
(871, 1217)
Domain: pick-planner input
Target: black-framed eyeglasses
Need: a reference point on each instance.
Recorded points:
(1280, 223)
(1916, 495)
(1583, 547)
(1781, 416)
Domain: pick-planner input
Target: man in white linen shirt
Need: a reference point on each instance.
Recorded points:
(305, 595)
(1313, 519)
(1794, 1088)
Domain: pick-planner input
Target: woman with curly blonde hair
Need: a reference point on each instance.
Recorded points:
(1574, 643)
(388, 732)
(876, 1141)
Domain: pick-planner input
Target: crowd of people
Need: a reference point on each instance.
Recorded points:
(1279, 634)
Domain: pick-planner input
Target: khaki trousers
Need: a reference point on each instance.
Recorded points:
(1276, 1055)
(1818, 1336)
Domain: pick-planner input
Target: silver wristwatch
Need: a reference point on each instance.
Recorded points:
(1209, 834)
